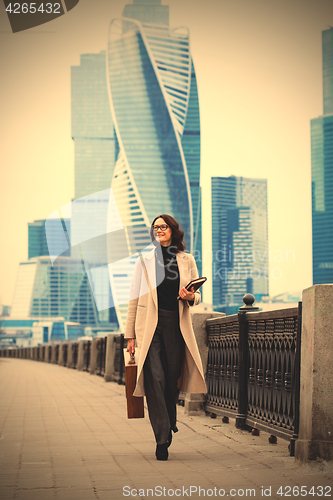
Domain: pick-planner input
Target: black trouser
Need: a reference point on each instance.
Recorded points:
(162, 370)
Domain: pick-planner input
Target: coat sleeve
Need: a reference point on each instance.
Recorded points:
(133, 301)
(194, 274)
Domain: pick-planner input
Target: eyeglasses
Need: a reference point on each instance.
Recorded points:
(164, 227)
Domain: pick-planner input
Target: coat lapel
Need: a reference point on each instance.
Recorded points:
(183, 277)
(183, 269)
(149, 261)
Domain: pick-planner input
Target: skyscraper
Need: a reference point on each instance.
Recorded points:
(154, 102)
(92, 127)
(322, 173)
(147, 11)
(95, 150)
(46, 290)
(239, 239)
(37, 240)
(43, 290)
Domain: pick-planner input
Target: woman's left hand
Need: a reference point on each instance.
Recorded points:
(186, 295)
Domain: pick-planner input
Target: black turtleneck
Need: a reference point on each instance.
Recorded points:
(167, 291)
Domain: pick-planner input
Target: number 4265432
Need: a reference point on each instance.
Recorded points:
(33, 8)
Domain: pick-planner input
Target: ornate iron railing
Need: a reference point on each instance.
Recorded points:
(254, 369)
(222, 368)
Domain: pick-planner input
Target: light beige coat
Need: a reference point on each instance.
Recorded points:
(143, 316)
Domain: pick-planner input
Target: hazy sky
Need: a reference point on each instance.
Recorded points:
(259, 72)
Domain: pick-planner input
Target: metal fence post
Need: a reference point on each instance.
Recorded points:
(243, 360)
(121, 360)
(297, 381)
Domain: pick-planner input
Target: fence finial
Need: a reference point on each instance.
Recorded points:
(248, 300)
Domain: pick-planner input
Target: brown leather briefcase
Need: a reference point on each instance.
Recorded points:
(135, 407)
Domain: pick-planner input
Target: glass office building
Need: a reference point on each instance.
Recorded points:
(94, 142)
(322, 173)
(239, 239)
(327, 41)
(43, 290)
(147, 11)
(92, 127)
(37, 240)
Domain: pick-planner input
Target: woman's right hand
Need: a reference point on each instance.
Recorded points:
(131, 346)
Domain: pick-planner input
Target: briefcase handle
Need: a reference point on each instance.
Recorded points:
(132, 359)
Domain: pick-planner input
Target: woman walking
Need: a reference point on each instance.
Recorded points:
(159, 320)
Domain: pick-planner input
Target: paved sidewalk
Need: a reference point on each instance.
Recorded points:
(65, 435)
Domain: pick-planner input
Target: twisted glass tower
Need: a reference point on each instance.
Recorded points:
(154, 104)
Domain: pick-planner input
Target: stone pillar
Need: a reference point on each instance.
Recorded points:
(194, 402)
(54, 353)
(316, 393)
(47, 349)
(80, 355)
(69, 363)
(110, 356)
(93, 356)
(61, 355)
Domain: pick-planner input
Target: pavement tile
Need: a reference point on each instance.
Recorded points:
(68, 471)
(34, 481)
(110, 485)
(112, 472)
(116, 482)
(38, 464)
(32, 458)
(79, 494)
(76, 482)
(123, 450)
(96, 461)
(65, 450)
(8, 482)
(69, 464)
(35, 494)
(7, 493)
(107, 477)
(116, 494)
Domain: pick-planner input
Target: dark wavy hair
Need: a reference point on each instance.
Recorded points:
(177, 232)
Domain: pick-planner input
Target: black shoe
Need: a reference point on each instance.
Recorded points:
(169, 441)
(162, 451)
